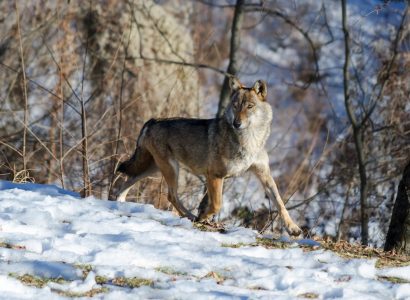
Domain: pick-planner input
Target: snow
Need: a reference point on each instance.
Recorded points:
(51, 233)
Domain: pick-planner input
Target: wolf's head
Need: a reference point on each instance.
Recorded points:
(248, 105)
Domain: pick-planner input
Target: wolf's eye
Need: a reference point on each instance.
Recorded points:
(250, 106)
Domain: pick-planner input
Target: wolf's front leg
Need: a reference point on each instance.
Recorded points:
(262, 171)
(211, 203)
(273, 194)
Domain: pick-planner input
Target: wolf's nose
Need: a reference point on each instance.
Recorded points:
(237, 124)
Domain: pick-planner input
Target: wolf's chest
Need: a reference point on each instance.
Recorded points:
(236, 153)
(238, 164)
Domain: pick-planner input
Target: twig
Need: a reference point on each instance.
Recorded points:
(25, 118)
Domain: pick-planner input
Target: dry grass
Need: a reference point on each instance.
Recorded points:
(237, 245)
(134, 282)
(263, 242)
(272, 244)
(391, 279)
(85, 268)
(11, 246)
(40, 282)
(90, 293)
(209, 226)
(170, 271)
(218, 277)
(36, 281)
(384, 259)
(308, 296)
(130, 282)
(341, 248)
(22, 176)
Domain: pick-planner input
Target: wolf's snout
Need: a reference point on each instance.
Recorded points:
(237, 124)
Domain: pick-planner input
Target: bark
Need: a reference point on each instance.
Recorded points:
(398, 236)
(233, 66)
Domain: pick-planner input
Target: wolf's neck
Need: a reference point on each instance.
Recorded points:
(254, 138)
(251, 139)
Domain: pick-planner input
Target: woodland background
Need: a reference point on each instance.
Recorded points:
(80, 78)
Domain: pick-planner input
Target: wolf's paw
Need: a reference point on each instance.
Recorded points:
(121, 199)
(204, 217)
(209, 225)
(191, 217)
(293, 229)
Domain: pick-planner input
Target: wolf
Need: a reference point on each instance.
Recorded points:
(215, 148)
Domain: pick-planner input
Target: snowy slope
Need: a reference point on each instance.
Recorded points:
(51, 233)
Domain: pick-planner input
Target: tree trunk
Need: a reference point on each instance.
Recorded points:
(364, 205)
(233, 66)
(358, 133)
(84, 151)
(398, 236)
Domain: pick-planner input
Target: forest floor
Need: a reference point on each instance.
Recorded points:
(55, 245)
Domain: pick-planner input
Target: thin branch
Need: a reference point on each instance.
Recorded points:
(38, 139)
(11, 147)
(210, 3)
(185, 64)
(39, 86)
(62, 74)
(25, 118)
(305, 34)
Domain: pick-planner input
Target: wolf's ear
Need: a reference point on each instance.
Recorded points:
(260, 88)
(234, 84)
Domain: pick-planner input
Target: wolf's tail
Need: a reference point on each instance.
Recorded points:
(139, 162)
(124, 166)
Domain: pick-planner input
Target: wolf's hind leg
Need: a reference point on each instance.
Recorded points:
(139, 166)
(170, 170)
(126, 186)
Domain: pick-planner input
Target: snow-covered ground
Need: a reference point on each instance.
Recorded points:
(101, 246)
